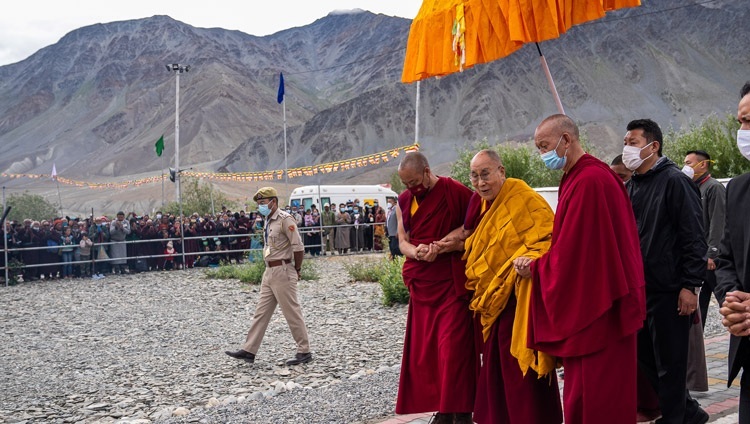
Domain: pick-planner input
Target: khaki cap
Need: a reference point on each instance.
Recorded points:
(265, 193)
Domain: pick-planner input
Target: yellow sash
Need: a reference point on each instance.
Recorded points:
(519, 223)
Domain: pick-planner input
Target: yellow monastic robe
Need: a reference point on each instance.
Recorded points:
(519, 223)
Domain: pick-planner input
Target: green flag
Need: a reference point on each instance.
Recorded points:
(159, 145)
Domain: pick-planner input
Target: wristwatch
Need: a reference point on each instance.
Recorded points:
(695, 290)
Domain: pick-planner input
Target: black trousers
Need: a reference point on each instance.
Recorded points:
(662, 355)
(709, 285)
(393, 246)
(745, 393)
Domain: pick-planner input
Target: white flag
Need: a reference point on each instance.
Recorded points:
(54, 172)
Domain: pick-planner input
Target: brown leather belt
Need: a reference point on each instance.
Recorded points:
(280, 262)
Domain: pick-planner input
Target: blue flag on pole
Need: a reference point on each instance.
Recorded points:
(280, 96)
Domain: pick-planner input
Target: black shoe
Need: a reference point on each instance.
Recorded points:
(241, 354)
(699, 417)
(300, 358)
(442, 418)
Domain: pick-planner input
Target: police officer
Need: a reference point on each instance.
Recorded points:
(282, 252)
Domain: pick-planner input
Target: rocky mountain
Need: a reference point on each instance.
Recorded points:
(95, 102)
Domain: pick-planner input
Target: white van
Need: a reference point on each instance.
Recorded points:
(337, 194)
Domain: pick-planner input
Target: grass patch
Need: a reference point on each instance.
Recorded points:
(385, 272)
(251, 272)
(364, 270)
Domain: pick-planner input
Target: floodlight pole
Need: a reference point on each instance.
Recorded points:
(178, 69)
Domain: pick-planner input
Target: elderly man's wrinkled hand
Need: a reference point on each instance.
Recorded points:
(522, 265)
(432, 253)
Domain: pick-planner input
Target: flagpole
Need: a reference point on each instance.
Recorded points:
(416, 117)
(59, 197)
(286, 162)
(162, 181)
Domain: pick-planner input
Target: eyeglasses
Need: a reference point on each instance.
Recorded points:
(484, 176)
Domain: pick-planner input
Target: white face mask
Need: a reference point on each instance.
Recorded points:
(743, 143)
(631, 156)
(689, 171)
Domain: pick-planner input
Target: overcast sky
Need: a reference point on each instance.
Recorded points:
(27, 26)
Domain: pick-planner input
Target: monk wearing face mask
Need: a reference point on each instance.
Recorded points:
(439, 365)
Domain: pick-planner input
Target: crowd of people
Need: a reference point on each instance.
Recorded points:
(72, 247)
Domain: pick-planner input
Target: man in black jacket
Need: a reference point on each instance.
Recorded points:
(670, 226)
(732, 272)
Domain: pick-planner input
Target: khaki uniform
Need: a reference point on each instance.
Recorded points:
(279, 283)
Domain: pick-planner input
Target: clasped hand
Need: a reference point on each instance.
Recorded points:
(736, 313)
(522, 265)
(426, 252)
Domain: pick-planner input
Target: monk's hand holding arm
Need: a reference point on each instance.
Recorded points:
(522, 265)
(736, 313)
(419, 252)
(432, 253)
(454, 241)
(687, 302)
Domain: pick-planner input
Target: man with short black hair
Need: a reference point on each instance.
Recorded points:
(670, 225)
(283, 252)
(713, 199)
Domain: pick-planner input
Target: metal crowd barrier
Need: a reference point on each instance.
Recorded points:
(324, 232)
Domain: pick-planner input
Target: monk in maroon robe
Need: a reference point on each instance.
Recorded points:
(439, 364)
(588, 296)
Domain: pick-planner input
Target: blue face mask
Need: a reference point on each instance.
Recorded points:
(264, 210)
(551, 160)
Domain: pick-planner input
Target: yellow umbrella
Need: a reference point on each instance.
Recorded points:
(449, 36)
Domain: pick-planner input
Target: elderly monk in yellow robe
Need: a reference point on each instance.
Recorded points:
(507, 219)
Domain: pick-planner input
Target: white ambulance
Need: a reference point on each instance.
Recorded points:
(307, 196)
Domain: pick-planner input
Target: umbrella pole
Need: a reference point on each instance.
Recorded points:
(550, 81)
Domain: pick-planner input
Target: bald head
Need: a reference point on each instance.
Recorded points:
(561, 124)
(414, 161)
(559, 133)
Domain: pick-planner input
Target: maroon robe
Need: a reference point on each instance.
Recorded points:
(439, 364)
(504, 394)
(588, 300)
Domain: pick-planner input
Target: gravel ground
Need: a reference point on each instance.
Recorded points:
(144, 347)
(150, 348)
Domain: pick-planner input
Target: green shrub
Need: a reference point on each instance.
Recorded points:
(32, 206)
(392, 282)
(363, 270)
(251, 272)
(716, 136)
(309, 271)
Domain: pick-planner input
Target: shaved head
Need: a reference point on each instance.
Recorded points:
(490, 154)
(414, 161)
(560, 123)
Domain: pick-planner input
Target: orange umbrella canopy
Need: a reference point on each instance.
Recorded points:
(448, 36)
